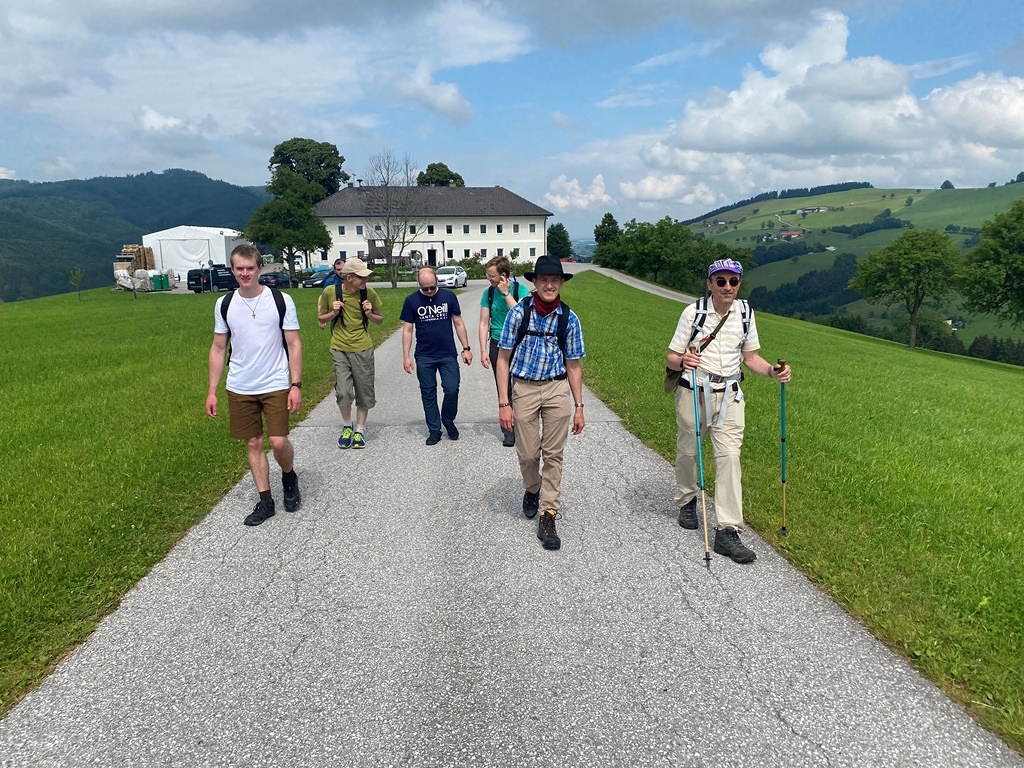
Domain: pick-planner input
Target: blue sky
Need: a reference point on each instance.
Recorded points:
(647, 109)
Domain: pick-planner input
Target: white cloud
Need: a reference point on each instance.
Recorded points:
(988, 109)
(635, 96)
(567, 194)
(6, 173)
(655, 188)
(153, 122)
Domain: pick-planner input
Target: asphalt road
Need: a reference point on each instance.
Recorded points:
(407, 615)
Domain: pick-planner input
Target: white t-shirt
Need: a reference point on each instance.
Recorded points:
(259, 362)
(723, 355)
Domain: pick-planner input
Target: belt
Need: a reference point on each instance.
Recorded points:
(559, 377)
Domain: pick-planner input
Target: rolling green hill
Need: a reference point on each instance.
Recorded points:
(48, 229)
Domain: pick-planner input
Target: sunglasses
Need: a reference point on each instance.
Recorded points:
(733, 281)
(428, 288)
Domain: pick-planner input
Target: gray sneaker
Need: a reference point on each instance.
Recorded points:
(688, 515)
(727, 542)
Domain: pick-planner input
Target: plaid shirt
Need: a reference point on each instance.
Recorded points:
(539, 357)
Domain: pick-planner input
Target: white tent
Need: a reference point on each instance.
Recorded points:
(186, 247)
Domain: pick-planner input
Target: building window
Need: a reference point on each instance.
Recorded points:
(430, 229)
(515, 229)
(499, 228)
(533, 253)
(412, 229)
(483, 229)
(360, 254)
(533, 228)
(465, 253)
(448, 229)
(342, 254)
(359, 229)
(451, 254)
(501, 252)
(341, 230)
(465, 229)
(376, 228)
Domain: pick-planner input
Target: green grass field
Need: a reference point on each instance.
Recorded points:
(902, 486)
(108, 457)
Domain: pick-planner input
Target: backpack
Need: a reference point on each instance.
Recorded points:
(702, 316)
(341, 315)
(278, 299)
(562, 332)
(515, 284)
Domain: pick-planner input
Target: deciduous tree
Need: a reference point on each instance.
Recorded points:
(917, 265)
(993, 281)
(287, 223)
(393, 219)
(439, 175)
(317, 162)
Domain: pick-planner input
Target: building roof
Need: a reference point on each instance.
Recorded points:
(353, 202)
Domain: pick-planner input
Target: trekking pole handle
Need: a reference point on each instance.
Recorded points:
(781, 364)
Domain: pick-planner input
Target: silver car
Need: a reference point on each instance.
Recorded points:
(452, 277)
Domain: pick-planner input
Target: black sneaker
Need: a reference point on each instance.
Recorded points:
(262, 511)
(453, 432)
(546, 530)
(531, 503)
(434, 438)
(508, 439)
(292, 497)
(688, 514)
(727, 542)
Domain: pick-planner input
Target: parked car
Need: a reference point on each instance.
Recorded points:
(219, 277)
(279, 280)
(316, 280)
(452, 277)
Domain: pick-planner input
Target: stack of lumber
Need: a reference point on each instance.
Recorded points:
(134, 257)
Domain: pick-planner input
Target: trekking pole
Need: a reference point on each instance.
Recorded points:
(700, 467)
(782, 388)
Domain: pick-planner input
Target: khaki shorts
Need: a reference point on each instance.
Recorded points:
(354, 378)
(247, 413)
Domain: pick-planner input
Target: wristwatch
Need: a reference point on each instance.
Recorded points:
(297, 384)
(465, 349)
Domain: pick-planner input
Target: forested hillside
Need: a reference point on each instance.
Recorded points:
(49, 229)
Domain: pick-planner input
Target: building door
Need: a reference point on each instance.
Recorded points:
(432, 257)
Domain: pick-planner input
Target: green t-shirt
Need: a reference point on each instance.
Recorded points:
(350, 337)
(499, 307)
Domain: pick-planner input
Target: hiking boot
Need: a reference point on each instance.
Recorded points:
(345, 441)
(508, 439)
(453, 432)
(531, 503)
(357, 440)
(688, 514)
(546, 530)
(434, 438)
(262, 511)
(292, 497)
(727, 542)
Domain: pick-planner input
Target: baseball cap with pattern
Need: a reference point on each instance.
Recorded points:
(725, 265)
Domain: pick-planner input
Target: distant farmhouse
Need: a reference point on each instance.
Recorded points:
(813, 209)
(431, 225)
(788, 233)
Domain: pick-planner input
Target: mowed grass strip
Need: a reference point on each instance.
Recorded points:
(108, 457)
(903, 480)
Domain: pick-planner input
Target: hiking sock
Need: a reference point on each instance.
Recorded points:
(288, 478)
(267, 496)
(360, 428)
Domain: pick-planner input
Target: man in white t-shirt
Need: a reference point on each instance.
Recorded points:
(727, 338)
(264, 375)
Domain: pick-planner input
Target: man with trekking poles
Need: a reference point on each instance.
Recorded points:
(713, 337)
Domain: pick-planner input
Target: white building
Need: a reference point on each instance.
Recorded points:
(438, 224)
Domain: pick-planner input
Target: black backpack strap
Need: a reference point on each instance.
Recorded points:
(362, 297)
(224, 314)
(279, 300)
(490, 296)
(699, 319)
(563, 329)
(340, 316)
(561, 332)
(523, 327)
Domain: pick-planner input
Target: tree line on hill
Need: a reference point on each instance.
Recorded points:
(784, 194)
(917, 267)
(48, 230)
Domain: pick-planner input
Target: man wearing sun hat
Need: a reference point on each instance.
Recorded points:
(541, 345)
(349, 306)
(714, 336)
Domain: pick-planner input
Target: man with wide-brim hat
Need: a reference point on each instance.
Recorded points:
(713, 337)
(541, 345)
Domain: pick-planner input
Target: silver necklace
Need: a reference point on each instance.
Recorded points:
(252, 307)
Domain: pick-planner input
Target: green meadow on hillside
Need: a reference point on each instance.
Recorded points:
(902, 472)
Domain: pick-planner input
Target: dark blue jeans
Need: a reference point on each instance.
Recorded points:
(427, 369)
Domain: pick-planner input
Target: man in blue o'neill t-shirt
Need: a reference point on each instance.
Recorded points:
(433, 312)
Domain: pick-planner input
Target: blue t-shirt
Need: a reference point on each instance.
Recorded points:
(432, 316)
